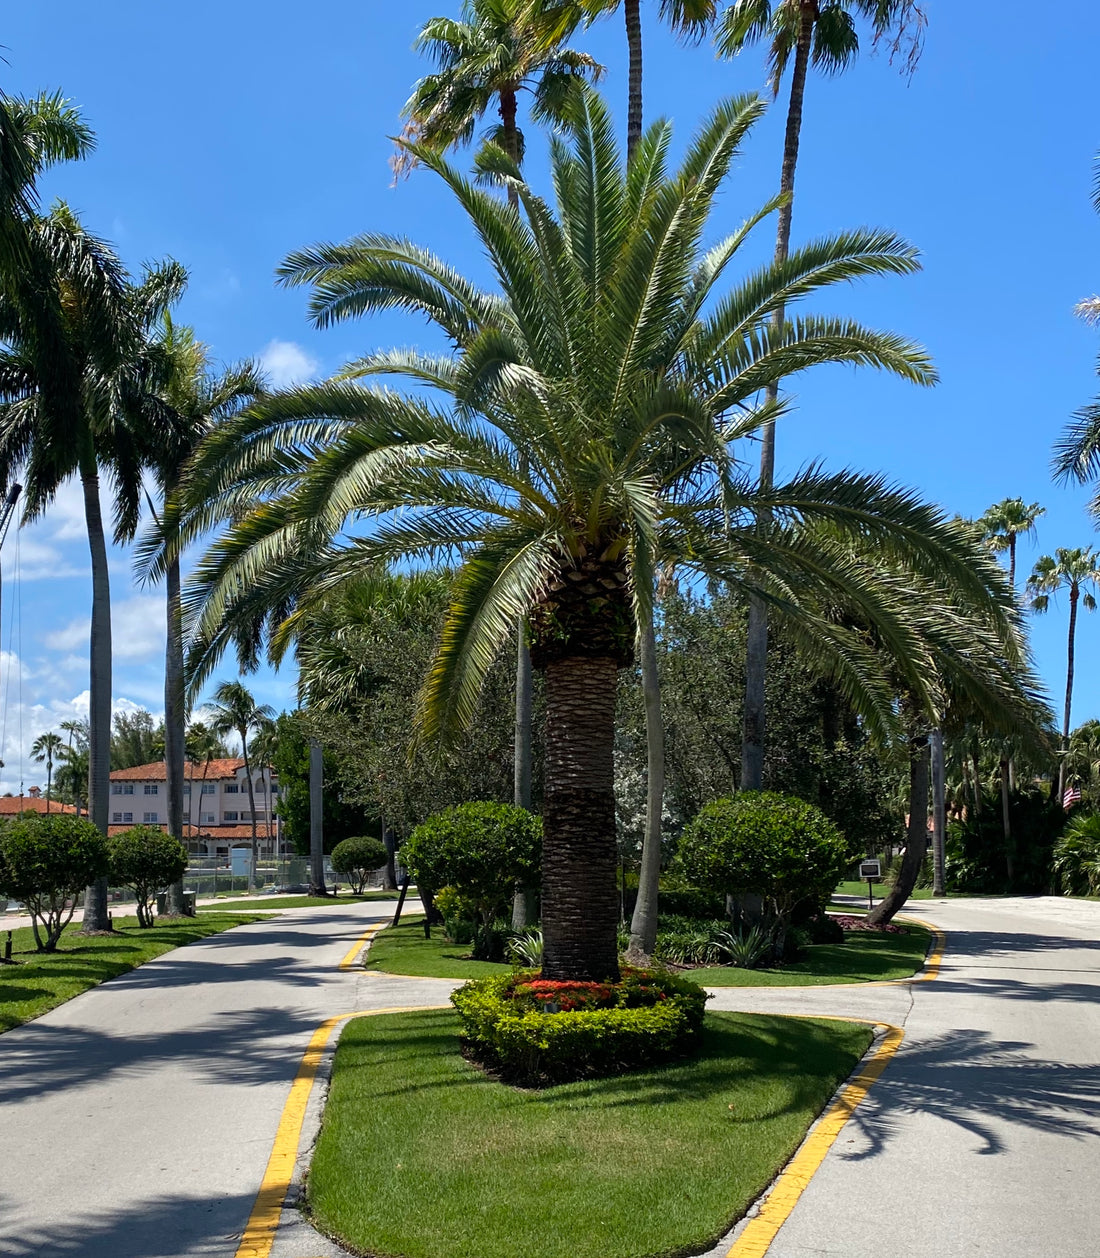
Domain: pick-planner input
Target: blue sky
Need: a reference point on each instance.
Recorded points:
(230, 134)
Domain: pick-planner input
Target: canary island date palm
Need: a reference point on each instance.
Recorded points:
(1005, 522)
(579, 432)
(826, 36)
(235, 711)
(1077, 571)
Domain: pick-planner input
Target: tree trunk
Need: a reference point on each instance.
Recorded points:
(510, 134)
(643, 924)
(756, 655)
(977, 782)
(916, 838)
(1073, 597)
(175, 724)
(1006, 823)
(316, 819)
(579, 857)
(632, 11)
(939, 817)
(252, 811)
(96, 918)
(522, 760)
(1012, 561)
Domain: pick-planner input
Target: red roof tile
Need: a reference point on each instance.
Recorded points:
(12, 805)
(200, 772)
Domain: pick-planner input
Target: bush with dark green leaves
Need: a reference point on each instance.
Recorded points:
(357, 858)
(1077, 856)
(535, 1031)
(762, 843)
(982, 861)
(480, 849)
(46, 861)
(148, 861)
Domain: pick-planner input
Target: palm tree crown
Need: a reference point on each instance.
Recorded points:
(1005, 522)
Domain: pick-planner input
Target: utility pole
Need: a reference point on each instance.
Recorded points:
(939, 814)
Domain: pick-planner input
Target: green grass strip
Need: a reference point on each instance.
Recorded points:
(39, 981)
(422, 1156)
(404, 950)
(296, 901)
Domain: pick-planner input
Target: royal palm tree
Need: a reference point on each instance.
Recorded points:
(823, 34)
(579, 433)
(235, 711)
(1005, 522)
(1076, 571)
(688, 18)
(46, 747)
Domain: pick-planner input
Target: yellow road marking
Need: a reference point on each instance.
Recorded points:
(360, 944)
(259, 1232)
(761, 1230)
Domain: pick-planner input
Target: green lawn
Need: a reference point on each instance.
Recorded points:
(296, 901)
(864, 957)
(38, 981)
(423, 1156)
(880, 891)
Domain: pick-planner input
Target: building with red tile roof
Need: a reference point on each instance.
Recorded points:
(13, 805)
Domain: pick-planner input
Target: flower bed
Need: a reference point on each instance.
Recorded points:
(535, 1031)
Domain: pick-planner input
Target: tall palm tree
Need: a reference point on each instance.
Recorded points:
(190, 398)
(202, 746)
(235, 711)
(580, 431)
(46, 748)
(1076, 571)
(1005, 522)
(688, 18)
(822, 33)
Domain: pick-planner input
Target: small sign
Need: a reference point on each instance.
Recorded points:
(870, 869)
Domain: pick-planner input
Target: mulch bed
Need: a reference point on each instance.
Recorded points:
(848, 921)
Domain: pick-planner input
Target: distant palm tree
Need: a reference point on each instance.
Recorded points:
(1074, 571)
(822, 33)
(1005, 522)
(46, 748)
(235, 711)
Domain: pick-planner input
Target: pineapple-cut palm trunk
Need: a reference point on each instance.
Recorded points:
(175, 723)
(96, 916)
(580, 906)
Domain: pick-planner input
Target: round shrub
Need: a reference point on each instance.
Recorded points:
(767, 844)
(536, 1031)
(480, 849)
(147, 860)
(357, 858)
(47, 861)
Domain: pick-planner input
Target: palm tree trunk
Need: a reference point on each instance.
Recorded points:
(316, 819)
(49, 781)
(175, 723)
(579, 895)
(633, 15)
(916, 838)
(96, 918)
(510, 134)
(756, 652)
(1073, 597)
(1012, 561)
(252, 810)
(1006, 823)
(643, 923)
(522, 759)
(977, 781)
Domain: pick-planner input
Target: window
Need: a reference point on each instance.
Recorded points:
(232, 788)
(151, 788)
(209, 818)
(149, 817)
(209, 788)
(122, 788)
(187, 788)
(127, 818)
(246, 816)
(261, 786)
(229, 816)
(116, 817)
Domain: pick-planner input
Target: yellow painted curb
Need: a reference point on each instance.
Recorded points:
(756, 1238)
(259, 1232)
(360, 944)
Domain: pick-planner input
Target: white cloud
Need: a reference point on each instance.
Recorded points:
(137, 629)
(286, 363)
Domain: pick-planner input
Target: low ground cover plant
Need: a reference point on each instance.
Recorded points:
(534, 1031)
(148, 861)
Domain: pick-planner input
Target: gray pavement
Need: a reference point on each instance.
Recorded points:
(136, 1121)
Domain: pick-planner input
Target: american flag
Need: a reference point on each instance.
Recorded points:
(1070, 796)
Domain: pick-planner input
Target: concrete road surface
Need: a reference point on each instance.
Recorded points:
(137, 1120)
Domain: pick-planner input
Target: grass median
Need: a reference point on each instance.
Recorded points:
(422, 1155)
(296, 901)
(40, 981)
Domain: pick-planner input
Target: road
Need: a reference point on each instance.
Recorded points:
(136, 1121)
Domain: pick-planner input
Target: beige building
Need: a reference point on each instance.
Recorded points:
(216, 810)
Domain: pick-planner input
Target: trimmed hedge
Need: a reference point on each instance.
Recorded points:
(536, 1032)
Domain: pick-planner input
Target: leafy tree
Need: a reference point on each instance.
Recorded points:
(580, 432)
(47, 747)
(235, 711)
(1005, 522)
(823, 34)
(1075, 571)
(357, 858)
(763, 843)
(135, 739)
(148, 861)
(46, 862)
(342, 820)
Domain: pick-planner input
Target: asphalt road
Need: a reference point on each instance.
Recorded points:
(136, 1121)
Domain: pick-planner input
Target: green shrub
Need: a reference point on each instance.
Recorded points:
(536, 1031)
(1077, 856)
(148, 861)
(979, 856)
(48, 860)
(766, 844)
(480, 849)
(357, 858)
